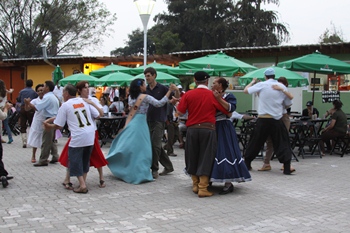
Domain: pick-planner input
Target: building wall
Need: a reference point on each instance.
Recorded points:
(12, 78)
(41, 73)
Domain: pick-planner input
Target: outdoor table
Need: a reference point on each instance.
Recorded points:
(307, 133)
(296, 115)
(109, 126)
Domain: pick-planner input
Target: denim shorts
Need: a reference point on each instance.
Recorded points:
(79, 160)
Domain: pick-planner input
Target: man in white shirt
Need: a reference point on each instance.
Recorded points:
(79, 114)
(270, 110)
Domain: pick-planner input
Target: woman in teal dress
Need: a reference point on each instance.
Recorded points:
(130, 155)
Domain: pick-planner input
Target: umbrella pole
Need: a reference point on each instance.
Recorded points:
(313, 89)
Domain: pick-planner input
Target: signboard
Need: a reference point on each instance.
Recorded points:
(330, 96)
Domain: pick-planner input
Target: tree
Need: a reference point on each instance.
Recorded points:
(159, 41)
(257, 27)
(134, 45)
(199, 24)
(331, 36)
(61, 25)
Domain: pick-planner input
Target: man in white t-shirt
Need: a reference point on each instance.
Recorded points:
(79, 114)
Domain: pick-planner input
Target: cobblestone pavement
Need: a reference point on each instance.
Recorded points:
(315, 199)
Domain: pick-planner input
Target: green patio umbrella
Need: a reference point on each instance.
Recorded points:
(316, 63)
(162, 78)
(110, 69)
(114, 80)
(220, 63)
(155, 65)
(75, 78)
(187, 72)
(57, 74)
(294, 79)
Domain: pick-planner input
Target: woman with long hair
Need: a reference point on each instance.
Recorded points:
(228, 165)
(130, 154)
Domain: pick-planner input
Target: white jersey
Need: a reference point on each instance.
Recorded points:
(79, 116)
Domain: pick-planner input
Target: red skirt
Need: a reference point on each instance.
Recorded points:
(97, 159)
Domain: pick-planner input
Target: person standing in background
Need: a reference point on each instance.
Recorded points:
(26, 117)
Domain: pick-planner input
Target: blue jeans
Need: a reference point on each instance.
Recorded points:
(7, 128)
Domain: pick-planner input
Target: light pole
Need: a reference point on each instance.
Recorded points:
(145, 8)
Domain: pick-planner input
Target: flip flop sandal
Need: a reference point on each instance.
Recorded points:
(81, 190)
(102, 184)
(68, 186)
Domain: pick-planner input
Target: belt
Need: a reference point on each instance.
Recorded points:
(265, 116)
(204, 125)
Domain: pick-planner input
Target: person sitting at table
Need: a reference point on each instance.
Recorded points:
(336, 128)
(104, 104)
(127, 160)
(309, 111)
(117, 105)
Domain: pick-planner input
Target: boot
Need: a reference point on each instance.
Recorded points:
(24, 139)
(195, 182)
(202, 187)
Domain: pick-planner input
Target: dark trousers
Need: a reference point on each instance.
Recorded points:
(3, 172)
(156, 129)
(269, 127)
(327, 136)
(25, 118)
(173, 135)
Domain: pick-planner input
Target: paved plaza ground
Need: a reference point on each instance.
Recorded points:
(315, 199)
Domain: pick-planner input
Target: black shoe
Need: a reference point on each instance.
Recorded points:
(226, 190)
(172, 154)
(166, 172)
(9, 177)
(4, 181)
(54, 161)
(39, 164)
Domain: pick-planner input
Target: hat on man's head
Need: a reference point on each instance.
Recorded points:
(201, 75)
(179, 86)
(309, 103)
(269, 71)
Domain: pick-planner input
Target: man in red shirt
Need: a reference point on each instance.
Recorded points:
(200, 147)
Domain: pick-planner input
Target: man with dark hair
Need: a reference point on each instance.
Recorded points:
(49, 105)
(26, 117)
(156, 118)
(201, 142)
(269, 123)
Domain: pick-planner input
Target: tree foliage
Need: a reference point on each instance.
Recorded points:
(257, 27)
(209, 24)
(60, 25)
(332, 35)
